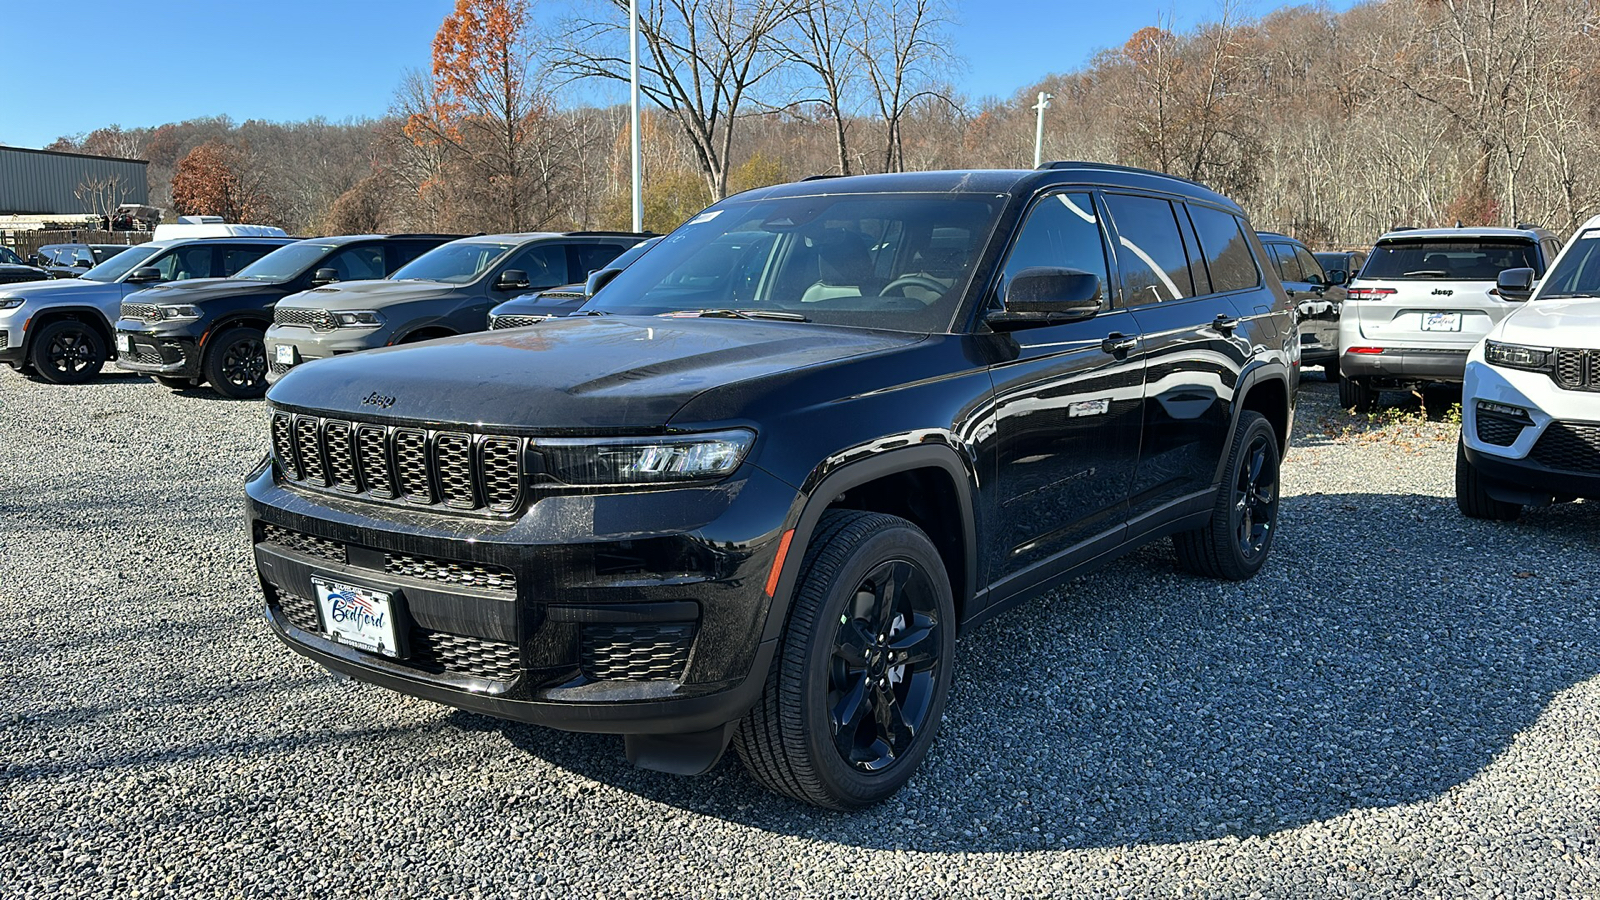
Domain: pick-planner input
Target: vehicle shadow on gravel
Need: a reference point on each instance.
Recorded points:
(1140, 705)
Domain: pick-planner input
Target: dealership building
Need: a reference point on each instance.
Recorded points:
(37, 183)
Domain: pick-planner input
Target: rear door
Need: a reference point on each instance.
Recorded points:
(1436, 292)
(1192, 343)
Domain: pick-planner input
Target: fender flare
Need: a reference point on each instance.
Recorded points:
(850, 475)
(93, 316)
(1252, 377)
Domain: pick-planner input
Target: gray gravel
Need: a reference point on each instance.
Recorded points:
(1404, 703)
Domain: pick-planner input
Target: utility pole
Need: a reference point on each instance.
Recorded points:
(1038, 134)
(637, 150)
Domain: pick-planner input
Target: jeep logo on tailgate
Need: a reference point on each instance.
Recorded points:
(378, 400)
(1442, 292)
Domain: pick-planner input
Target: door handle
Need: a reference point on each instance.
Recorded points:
(1117, 343)
(1225, 324)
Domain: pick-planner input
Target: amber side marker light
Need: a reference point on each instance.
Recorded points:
(777, 562)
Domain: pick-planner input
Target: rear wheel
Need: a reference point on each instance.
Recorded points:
(67, 352)
(236, 364)
(1356, 395)
(1471, 497)
(1330, 370)
(854, 698)
(1235, 543)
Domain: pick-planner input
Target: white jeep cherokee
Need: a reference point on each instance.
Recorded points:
(1422, 300)
(1530, 428)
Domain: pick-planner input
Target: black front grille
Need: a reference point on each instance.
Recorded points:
(470, 574)
(514, 321)
(1578, 370)
(452, 469)
(635, 652)
(20, 277)
(307, 544)
(318, 319)
(1569, 447)
(300, 611)
(145, 312)
(144, 354)
(5, 339)
(1500, 431)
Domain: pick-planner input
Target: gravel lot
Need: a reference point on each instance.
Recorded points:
(1404, 703)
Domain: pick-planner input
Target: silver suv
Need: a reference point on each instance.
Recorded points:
(1422, 300)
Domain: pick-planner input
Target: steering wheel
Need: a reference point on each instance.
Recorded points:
(922, 281)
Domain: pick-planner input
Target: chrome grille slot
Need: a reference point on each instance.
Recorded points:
(341, 456)
(308, 449)
(502, 473)
(372, 453)
(454, 453)
(411, 465)
(283, 446)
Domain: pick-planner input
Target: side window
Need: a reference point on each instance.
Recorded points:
(1288, 267)
(1191, 249)
(588, 258)
(236, 258)
(546, 265)
(1309, 267)
(402, 252)
(1062, 231)
(184, 263)
(1227, 252)
(1150, 252)
(359, 263)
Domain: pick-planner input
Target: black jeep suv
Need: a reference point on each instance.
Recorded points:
(756, 490)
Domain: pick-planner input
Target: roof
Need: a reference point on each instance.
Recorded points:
(1465, 231)
(142, 162)
(512, 238)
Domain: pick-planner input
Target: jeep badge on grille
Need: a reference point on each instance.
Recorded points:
(378, 400)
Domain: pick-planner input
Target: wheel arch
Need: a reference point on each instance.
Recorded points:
(90, 316)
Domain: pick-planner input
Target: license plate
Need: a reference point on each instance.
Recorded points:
(1441, 321)
(285, 354)
(362, 618)
(124, 343)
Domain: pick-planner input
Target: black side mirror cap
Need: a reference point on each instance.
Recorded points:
(1045, 295)
(511, 280)
(598, 280)
(146, 275)
(324, 276)
(83, 263)
(1337, 277)
(1515, 285)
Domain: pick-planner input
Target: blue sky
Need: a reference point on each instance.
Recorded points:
(286, 60)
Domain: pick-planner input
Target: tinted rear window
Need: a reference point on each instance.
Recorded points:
(1451, 259)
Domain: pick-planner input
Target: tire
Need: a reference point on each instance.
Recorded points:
(1356, 395)
(1330, 371)
(867, 584)
(176, 382)
(1234, 544)
(1471, 498)
(67, 352)
(236, 363)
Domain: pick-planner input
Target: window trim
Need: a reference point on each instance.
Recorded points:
(1170, 200)
(1112, 299)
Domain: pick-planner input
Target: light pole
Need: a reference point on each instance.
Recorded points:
(1038, 133)
(636, 151)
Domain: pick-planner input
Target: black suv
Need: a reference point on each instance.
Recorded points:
(212, 329)
(1318, 297)
(756, 491)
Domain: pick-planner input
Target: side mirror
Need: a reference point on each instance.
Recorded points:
(83, 264)
(35, 260)
(1044, 295)
(511, 280)
(1515, 285)
(146, 275)
(324, 276)
(1338, 276)
(598, 280)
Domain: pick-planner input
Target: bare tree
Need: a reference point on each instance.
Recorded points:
(819, 41)
(101, 196)
(899, 44)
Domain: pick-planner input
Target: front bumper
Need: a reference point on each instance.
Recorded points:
(1405, 365)
(13, 337)
(1550, 450)
(154, 351)
(635, 613)
(307, 345)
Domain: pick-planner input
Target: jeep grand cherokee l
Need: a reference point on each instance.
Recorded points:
(211, 330)
(1317, 297)
(1423, 299)
(753, 493)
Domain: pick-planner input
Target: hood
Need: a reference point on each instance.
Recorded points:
(1553, 323)
(61, 290)
(570, 375)
(199, 290)
(367, 294)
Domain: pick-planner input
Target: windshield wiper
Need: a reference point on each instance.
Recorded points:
(736, 314)
(1426, 273)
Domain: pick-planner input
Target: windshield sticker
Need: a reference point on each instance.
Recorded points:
(705, 217)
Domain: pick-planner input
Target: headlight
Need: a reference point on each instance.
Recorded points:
(599, 462)
(182, 312)
(358, 318)
(11, 302)
(1517, 356)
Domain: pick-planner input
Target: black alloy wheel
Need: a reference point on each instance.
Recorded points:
(853, 699)
(1255, 496)
(67, 352)
(1234, 543)
(237, 363)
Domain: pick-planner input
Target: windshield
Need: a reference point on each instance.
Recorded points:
(121, 264)
(893, 261)
(7, 255)
(1450, 259)
(458, 262)
(287, 262)
(103, 252)
(1578, 273)
(626, 258)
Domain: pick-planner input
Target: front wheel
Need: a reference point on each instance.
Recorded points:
(1471, 497)
(1356, 395)
(67, 352)
(236, 364)
(855, 695)
(1234, 544)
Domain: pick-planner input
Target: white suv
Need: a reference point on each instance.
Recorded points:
(1422, 300)
(1530, 428)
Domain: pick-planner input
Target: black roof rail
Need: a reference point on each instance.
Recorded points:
(1528, 226)
(1277, 234)
(820, 177)
(1113, 167)
(1404, 228)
